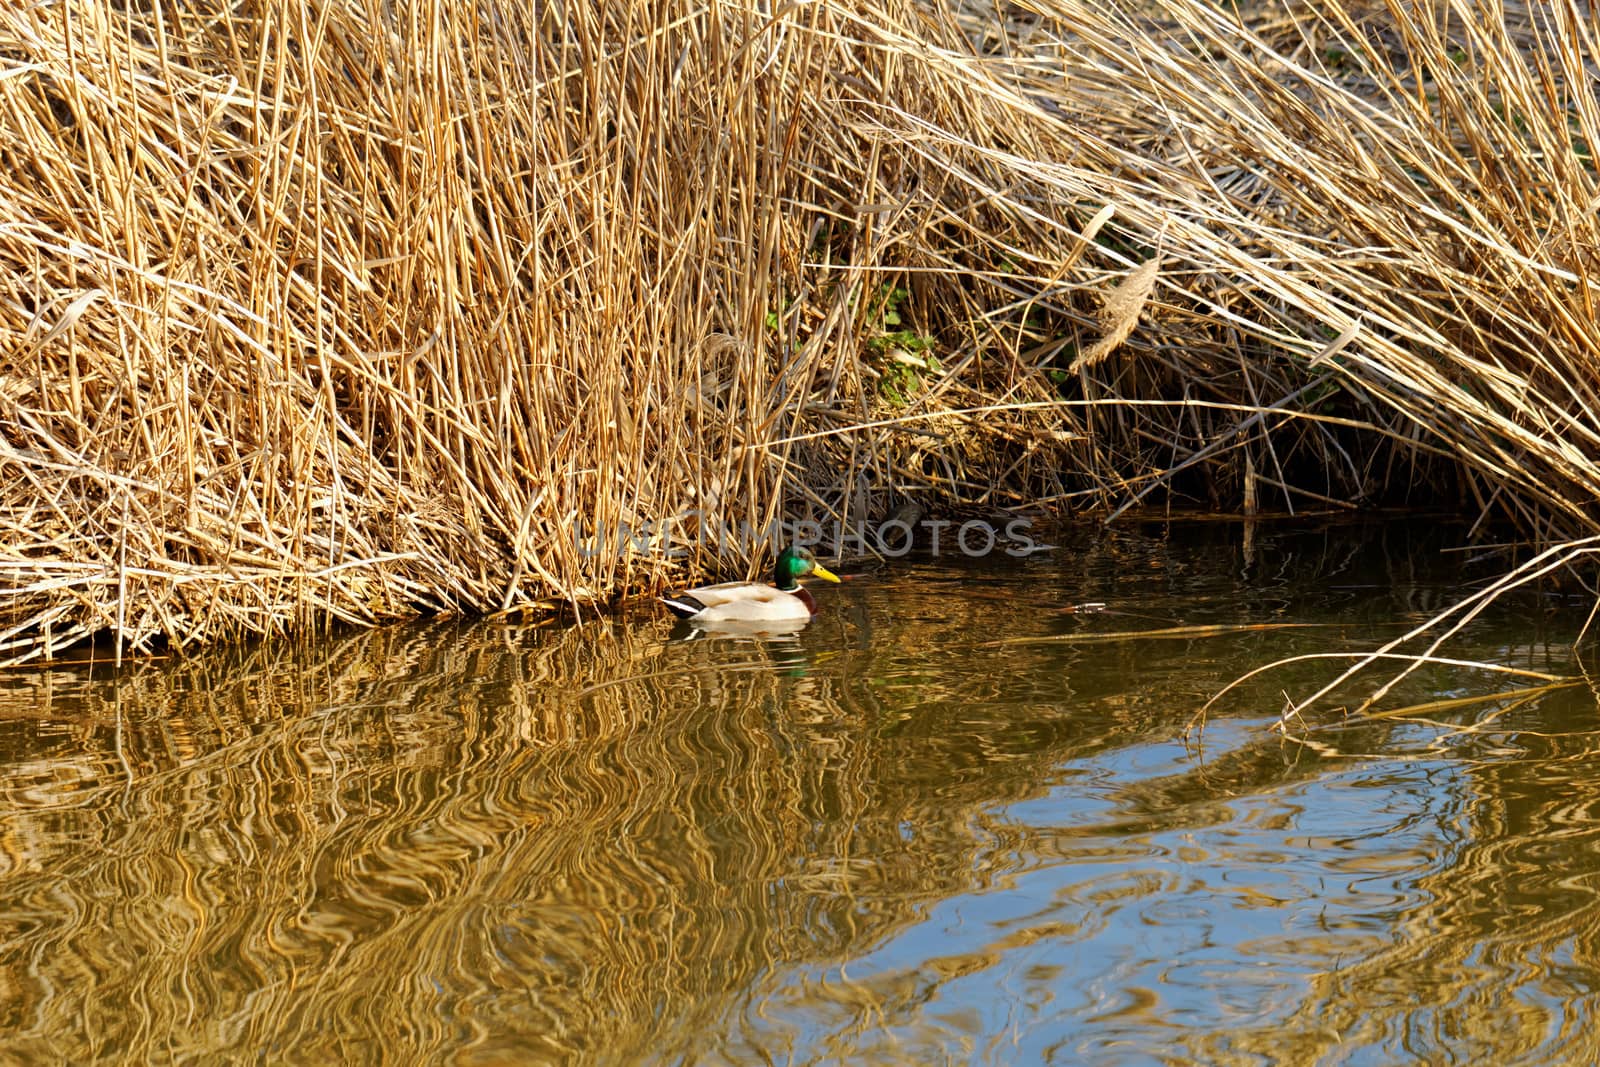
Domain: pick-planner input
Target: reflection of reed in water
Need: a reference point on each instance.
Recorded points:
(1493, 950)
(549, 845)
(521, 843)
(1462, 913)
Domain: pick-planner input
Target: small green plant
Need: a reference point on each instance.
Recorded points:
(884, 309)
(905, 362)
(904, 358)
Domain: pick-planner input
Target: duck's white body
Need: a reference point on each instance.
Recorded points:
(783, 601)
(742, 602)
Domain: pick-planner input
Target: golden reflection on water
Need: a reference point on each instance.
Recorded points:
(879, 840)
(504, 841)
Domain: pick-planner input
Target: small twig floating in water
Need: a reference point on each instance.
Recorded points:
(1417, 712)
(1168, 632)
(1295, 710)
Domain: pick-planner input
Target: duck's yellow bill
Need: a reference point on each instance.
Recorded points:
(824, 573)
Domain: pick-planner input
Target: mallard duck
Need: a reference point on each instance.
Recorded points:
(783, 601)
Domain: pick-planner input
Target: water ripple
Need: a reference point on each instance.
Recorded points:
(881, 840)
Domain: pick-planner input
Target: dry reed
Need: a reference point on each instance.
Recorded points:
(345, 311)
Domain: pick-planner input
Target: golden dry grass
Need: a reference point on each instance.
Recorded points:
(343, 311)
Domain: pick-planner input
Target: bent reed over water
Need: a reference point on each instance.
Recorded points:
(309, 317)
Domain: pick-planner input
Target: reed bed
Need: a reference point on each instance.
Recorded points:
(342, 311)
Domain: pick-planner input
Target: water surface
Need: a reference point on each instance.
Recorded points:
(952, 821)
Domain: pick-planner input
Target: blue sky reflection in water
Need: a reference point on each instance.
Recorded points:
(950, 821)
(1129, 947)
(1336, 904)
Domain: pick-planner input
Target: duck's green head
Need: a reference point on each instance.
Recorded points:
(797, 562)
